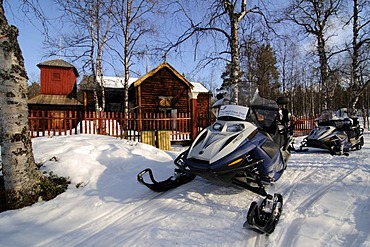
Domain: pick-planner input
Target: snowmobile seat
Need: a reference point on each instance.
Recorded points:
(343, 124)
(355, 129)
(285, 116)
(326, 123)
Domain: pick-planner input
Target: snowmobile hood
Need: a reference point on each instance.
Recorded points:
(321, 132)
(220, 140)
(324, 132)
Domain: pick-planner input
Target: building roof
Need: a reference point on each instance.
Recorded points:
(155, 70)
(87, 82)
(58, 63)
(48, 99)
(199, 88)
(116, 82)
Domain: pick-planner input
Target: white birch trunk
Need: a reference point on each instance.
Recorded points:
(19, 169)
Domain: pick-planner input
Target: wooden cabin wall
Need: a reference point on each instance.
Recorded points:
(47, 108)
(164, 84)
(88, 101)
(204, 103)
(113, 100)
(57, 80)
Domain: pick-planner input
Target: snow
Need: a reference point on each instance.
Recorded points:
(118, 82)
(199, 88)
(326, 201)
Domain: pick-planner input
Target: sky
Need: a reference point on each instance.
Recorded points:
(30, 38)
(31, 42)
(326, 200)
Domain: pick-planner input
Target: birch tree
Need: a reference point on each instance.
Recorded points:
(133, 23)
(360, 39)
(223, 18)
(89, 25)
(100, 13)
(314, 17)
(235, 16)
(22, 180)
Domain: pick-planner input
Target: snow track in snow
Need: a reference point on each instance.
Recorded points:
(326, 202)
(305, 187)
(89, 230)
(323, 191)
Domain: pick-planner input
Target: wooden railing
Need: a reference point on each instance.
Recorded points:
(303, 126)
(53, 123)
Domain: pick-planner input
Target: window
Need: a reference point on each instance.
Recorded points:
(56, 76)
(165, 101)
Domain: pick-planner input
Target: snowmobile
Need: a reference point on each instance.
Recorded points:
(246, 147)
(335, 132)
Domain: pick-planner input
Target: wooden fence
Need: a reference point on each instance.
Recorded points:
(303, 126)
(53, 123)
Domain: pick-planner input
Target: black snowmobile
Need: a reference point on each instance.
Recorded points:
(335, 132)
(246, 147)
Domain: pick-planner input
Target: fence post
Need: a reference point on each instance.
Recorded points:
(193, 115)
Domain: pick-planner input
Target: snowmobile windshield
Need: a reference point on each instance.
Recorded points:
(337, 119)
(233, 112)
(325, 117)
(264, 111)
(264, 117)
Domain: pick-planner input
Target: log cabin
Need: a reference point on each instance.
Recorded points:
(161, 90)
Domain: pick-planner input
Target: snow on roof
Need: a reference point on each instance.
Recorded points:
(117, 82)
(199, 88)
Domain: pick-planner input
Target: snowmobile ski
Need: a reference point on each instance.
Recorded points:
(265, 217)
(172, 182)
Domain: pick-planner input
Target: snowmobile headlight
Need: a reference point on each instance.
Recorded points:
(217, 126)
(235, 128)
(235, 162)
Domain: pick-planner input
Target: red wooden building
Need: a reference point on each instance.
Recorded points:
(58, 95)
(58, 87)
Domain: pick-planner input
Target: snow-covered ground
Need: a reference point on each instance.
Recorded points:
(326, 201)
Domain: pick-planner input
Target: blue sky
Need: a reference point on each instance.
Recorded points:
(31, 42)
(30, 38)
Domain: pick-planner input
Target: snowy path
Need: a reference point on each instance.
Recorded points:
(326, 202)
(326, 197)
